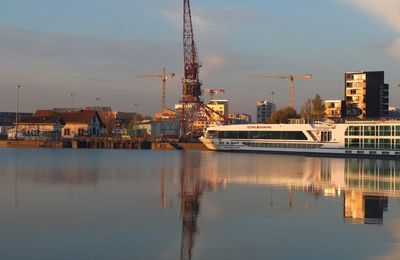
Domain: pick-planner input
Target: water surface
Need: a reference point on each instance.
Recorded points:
(126, 204)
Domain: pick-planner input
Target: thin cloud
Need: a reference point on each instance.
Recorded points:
(386, 11)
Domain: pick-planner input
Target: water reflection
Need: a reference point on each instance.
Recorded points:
(186, 204)
(362, 185)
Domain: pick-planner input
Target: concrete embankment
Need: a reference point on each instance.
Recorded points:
(178, 146)
(31, 144)
(100, 145)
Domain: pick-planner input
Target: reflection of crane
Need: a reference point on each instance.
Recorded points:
(213, 92)
(191, 191)
(291, 77)
(163, 76)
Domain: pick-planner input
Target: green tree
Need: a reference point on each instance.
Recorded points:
(313, 109)
(282, 116)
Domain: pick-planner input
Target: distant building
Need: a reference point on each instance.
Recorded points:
(82, 123)
(76, 123)
(368, 92)
(394, 112)
(220, 106)
(165, 129)
(37, 128)
(264, 111)
(334, 109)
(7, 120)
(239, 118)
(166, 114)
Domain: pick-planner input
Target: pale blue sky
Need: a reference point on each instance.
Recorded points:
(96, 48)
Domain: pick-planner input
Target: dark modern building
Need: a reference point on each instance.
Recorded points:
(368, 92)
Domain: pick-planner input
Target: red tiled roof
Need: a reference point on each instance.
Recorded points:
(83, 116)
(44, 113)
(39, 120)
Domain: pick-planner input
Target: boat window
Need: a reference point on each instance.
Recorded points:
(283, 145)
(397, 133)
(385, 144)
(369, 130)
(384, 130)
(397, 144)
(353, 130)
(280, 135)
(370, 143)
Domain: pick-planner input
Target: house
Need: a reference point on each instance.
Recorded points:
(37, 128)
(7, 120)
(82, 123)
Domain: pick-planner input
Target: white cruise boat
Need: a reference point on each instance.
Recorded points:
(361, 138)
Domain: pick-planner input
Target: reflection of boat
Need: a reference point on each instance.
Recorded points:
(361, 138)
(364, 184)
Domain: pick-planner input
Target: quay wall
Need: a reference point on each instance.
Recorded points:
(101, 144)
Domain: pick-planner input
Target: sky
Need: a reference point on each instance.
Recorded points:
(97, 48)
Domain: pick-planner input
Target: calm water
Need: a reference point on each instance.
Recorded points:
(124, 204)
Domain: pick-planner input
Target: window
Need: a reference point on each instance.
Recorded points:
(384, 130)
(353, 130)
(397, 144)
(369, 130)
(385, 144)
(280, 135)
(352, 143)
(370, 143)
(67, 131)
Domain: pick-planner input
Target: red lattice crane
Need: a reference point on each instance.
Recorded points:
(193, 108)
(213, 92)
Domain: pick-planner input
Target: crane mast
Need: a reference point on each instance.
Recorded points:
(193, 108)
(191, 83)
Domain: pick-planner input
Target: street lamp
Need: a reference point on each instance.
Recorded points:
(16, 114)
(72, 99)
(135, 121)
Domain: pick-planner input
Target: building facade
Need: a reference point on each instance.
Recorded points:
(239, 118)
(265, 109)
(220, 106)
(334, 109)
(368, 92)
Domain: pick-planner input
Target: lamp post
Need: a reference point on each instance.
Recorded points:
(16, 113)
(135, 121)
(72, 99)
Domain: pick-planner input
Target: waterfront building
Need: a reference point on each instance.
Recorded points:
(7, 121)
(165, 129)
(167, 114)
(220, 106)
(239, 118)
(37, 128)
(265, 109)
(334, 109)
(368, 92)
(82, 123)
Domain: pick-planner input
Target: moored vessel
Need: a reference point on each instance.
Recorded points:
(352, 138)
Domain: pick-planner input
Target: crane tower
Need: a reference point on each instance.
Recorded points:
(192, 106)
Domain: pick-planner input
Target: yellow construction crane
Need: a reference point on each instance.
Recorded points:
(163, 76)
(291, 77)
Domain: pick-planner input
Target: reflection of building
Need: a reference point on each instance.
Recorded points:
(334, 109)
(264, 111)
(364, 209)
(368, 92)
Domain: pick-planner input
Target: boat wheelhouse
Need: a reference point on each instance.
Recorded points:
(375, 138)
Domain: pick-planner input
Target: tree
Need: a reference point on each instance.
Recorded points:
(313, 109)
(282, 116)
